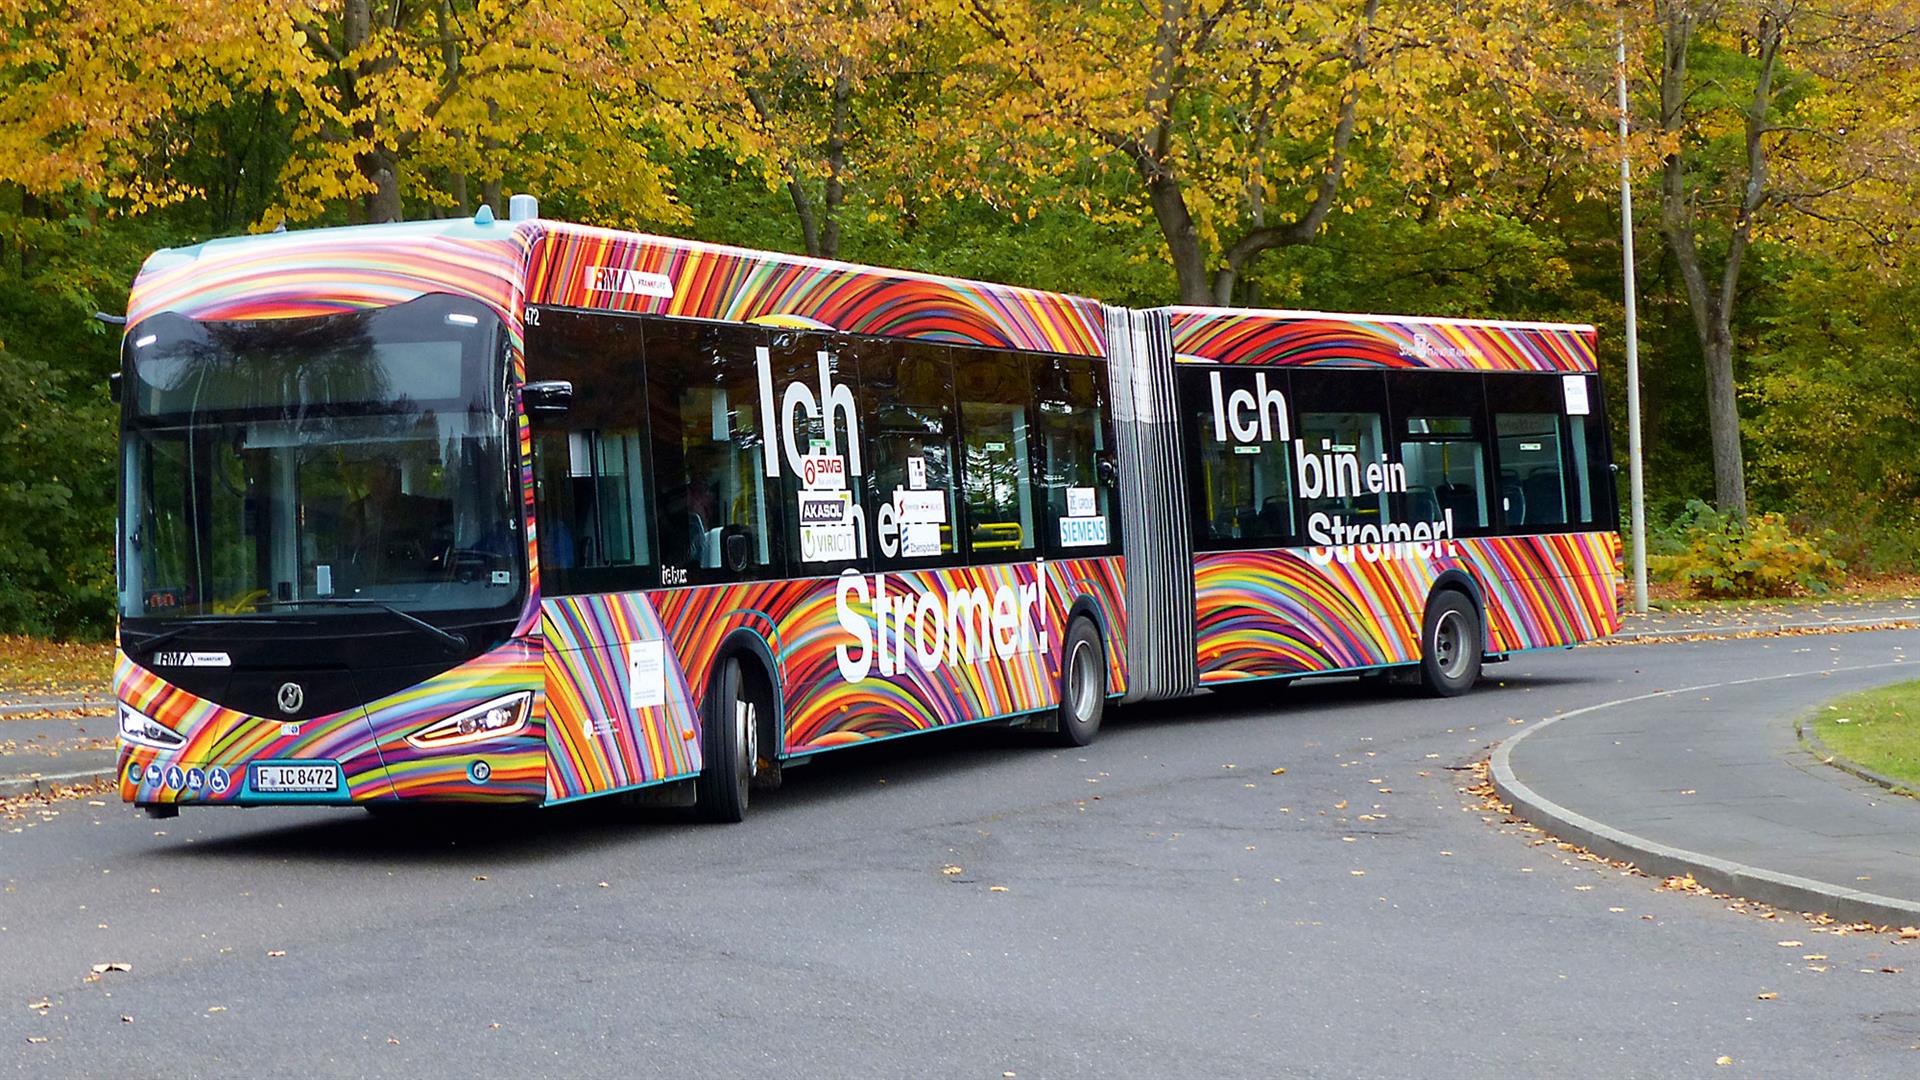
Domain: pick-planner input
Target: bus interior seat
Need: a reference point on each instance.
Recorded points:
(1462, 500)
(1543, 494)
(1513, 498)
(1273, 517)
(1421, 505)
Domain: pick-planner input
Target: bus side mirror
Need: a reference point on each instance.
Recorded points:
(551, 398)
(113, 388)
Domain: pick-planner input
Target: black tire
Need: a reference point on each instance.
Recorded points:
(728, 734)
(1083, 685)
(1450, 644)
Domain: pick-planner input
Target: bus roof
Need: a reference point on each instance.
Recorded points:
(1203, 335)
(582, 266)
(539, 261)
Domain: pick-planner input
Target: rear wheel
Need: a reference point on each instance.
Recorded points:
(1450, 643)
(728, 744)
(1083, 685)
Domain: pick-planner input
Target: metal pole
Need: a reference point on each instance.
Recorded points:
(1636, 479)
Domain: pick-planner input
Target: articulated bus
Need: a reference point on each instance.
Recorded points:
(525, 511)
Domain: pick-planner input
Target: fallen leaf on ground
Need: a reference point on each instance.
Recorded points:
(1723, 1060)
(1276, 772)
(36, 1039)
(950, 870)
(276, 952)
(1766, 995)
(1791, 944)
(996, 888)
(102, 969)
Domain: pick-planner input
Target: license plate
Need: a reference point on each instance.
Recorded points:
(298, 778)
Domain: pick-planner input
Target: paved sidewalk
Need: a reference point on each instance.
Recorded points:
(1710, 779)
(1783, 616)
(45, 746)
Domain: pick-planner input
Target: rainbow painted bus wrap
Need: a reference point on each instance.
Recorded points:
(1357, 606)
(563, 697)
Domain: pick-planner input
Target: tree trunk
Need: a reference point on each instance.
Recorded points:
(1723, 420)
(836, 190)
(1713, 302)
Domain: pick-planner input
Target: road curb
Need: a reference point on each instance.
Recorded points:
(1715, 633)
(1786, 891)
(31, 785)
(1813, 744)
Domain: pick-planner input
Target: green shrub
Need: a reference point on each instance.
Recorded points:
(1722, 558)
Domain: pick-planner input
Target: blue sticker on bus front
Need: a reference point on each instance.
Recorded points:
(175, 778)
(479, 772)
(134, 771)
(218, 780)
(196, 779)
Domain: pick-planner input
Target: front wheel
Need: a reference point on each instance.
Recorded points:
(728, 745)
(1083, 685)
(1450, 643)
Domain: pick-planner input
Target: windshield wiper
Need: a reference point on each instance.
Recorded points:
(154, 641)
(452, 638)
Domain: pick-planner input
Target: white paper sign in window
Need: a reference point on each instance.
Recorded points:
(828, 543)
(647, 674)
(919, 539)
(1083, 531)
(919, 507)
(1080, 502)
(917, 473)
(1575, 389)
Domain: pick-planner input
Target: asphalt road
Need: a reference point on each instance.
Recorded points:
(1170, 908)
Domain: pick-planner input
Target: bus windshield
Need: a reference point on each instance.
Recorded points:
(322, 463)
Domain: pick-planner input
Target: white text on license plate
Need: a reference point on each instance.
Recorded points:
(296, 777)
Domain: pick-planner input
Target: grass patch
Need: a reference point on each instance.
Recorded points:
(1878, 728)
(36, 666)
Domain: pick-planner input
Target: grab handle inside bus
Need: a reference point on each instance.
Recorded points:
(552, 397)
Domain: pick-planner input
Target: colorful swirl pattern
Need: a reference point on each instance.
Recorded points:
(798, 621)
(597, 740)
(368, 743)
(1265, 613)
(577, 266)
(1216, 336)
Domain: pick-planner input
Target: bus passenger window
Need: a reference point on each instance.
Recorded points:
(1071, 403)
(589, 464)
(713, 496)
(906, 408)
(997, 459)
(1245, 485)
(1532, 485)
(1445, 470)
(1342, 445)
(813, 383)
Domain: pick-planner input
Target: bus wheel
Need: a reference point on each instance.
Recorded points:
(728, 743)
(1449, 645)
(1083, 685)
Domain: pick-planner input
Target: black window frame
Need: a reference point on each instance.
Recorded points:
(1106, 468)
(1456, 393)
(541, 365)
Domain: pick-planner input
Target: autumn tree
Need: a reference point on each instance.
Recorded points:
(833, 91)
(1784, 121)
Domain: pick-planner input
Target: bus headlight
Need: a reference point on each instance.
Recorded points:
(489, 720)
(140, 729)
